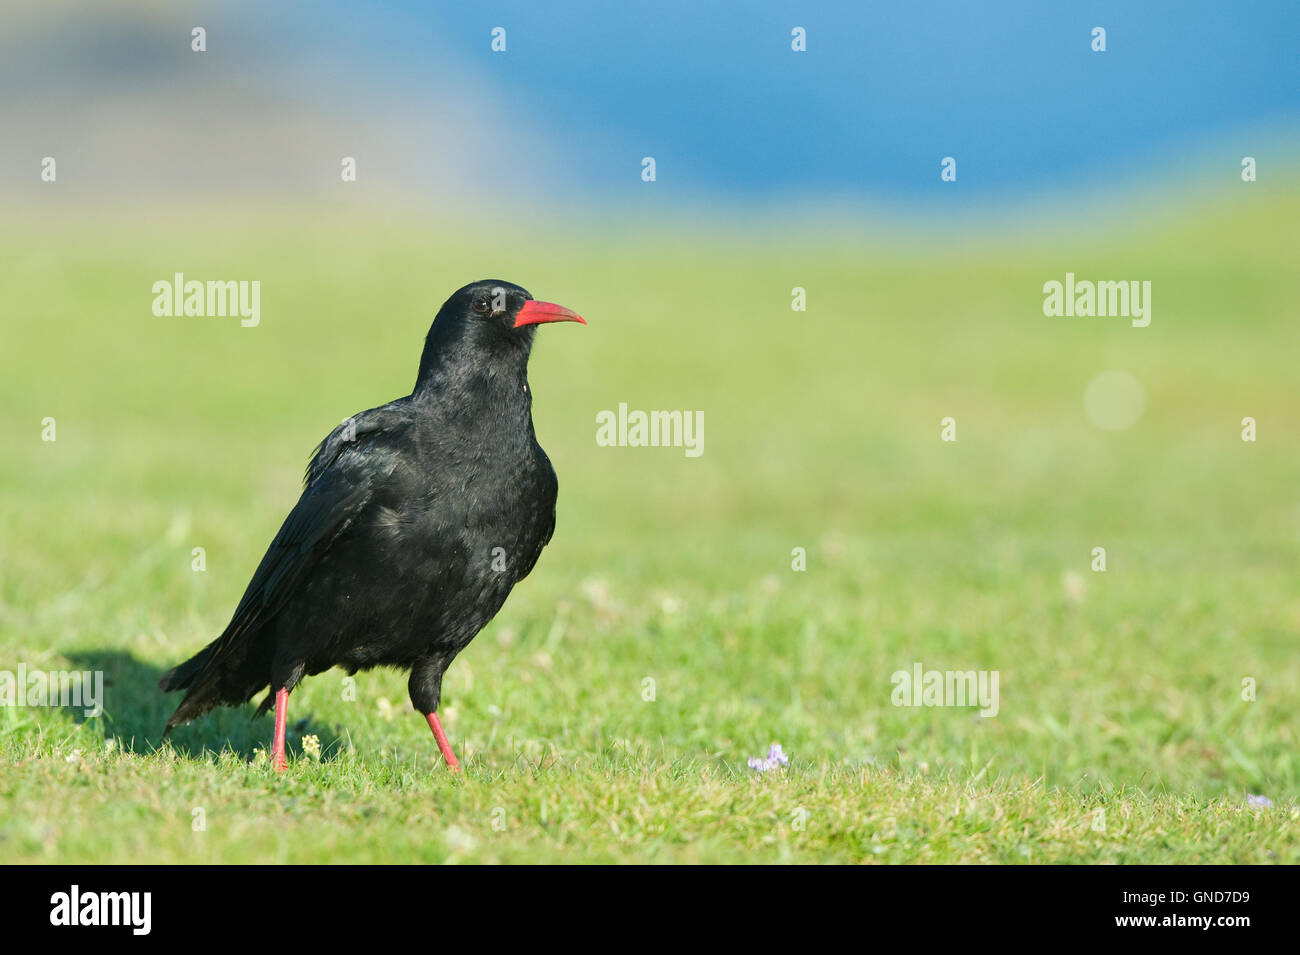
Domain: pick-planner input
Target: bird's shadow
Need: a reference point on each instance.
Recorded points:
(135, 712)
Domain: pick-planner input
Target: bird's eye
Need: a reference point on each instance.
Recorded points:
(480, 305)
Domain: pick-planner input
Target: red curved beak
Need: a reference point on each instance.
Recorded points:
(536, 313)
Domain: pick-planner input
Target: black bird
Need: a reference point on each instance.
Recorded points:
(415, 521)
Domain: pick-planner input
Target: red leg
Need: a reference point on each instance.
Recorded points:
(281, 719)
(435, 724)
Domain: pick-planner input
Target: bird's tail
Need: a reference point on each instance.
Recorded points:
(234, 678)
(182, 676)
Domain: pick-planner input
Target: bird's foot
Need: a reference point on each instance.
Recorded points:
(435, 724)
(281, 718)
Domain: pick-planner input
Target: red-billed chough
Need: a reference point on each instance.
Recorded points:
(416, 520)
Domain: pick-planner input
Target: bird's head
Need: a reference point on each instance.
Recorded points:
(488, 322)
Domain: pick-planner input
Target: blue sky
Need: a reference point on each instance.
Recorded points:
(713, 91)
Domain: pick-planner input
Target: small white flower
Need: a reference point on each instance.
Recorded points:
(311, 746)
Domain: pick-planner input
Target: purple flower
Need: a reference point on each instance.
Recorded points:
(775, 757)
(1258, 802)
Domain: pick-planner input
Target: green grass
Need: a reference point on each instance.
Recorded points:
(1122, 702)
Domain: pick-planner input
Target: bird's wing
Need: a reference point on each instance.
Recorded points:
(548, 528)
(395, 414)
(343, 476)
